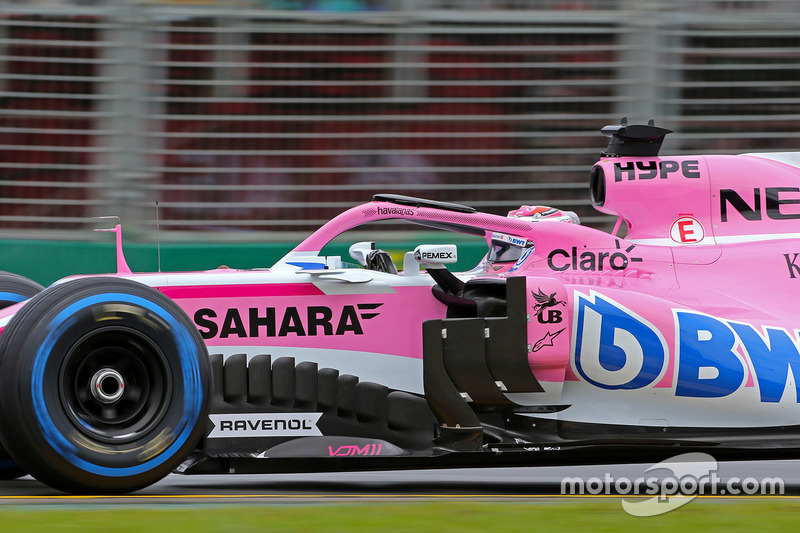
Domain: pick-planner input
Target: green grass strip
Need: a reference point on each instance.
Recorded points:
(596, 515)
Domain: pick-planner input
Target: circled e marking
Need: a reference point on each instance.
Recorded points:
(687, 230)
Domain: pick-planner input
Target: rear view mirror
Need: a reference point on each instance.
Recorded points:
(360, 250)
(436, 255)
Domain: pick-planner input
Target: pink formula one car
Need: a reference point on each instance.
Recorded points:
(565, 345)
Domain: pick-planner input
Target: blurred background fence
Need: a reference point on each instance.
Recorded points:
(260, 120)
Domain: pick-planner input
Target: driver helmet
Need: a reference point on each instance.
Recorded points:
(505, 251)
(541, 213)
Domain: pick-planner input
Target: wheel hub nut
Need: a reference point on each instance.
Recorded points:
(107, 385)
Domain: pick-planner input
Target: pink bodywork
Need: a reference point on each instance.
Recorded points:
(714, 236)
(708, 237)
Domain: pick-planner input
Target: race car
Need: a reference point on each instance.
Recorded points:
(675, 332)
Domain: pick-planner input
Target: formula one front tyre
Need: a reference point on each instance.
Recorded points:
(14, 289)
(104, 386)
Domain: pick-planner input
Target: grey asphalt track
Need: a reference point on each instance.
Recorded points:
(504, 484)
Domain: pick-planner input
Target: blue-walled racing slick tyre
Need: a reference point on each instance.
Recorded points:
(104, 386)
(14, 289)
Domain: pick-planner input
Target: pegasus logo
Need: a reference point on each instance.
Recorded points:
(543, 303)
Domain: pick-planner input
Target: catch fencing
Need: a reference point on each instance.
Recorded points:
(261, 120)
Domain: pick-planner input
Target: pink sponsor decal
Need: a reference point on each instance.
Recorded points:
(353, 450)
(298, 315)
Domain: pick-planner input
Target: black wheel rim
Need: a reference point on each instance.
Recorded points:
(115, 384)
